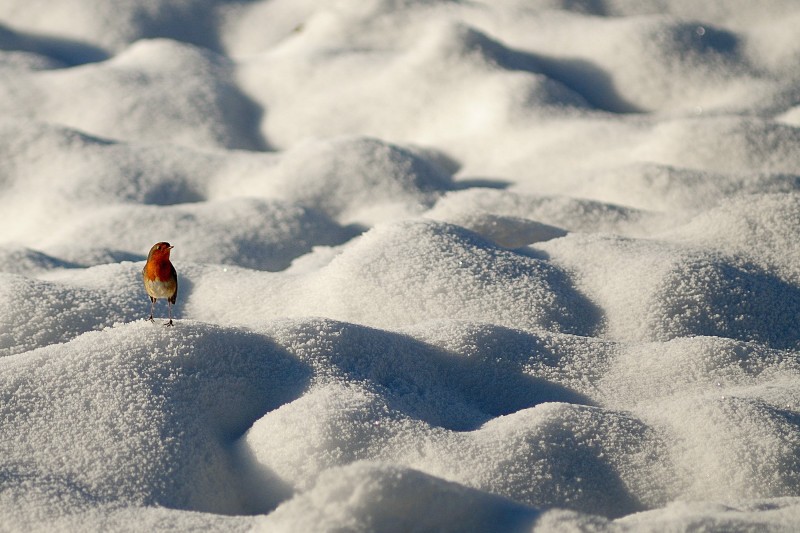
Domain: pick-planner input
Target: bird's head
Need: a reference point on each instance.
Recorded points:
(160, 249)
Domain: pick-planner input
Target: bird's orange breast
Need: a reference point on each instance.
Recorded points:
(158, 270)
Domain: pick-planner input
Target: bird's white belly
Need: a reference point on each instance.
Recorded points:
(161, 289)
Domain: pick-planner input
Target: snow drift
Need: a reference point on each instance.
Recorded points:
(508, 266)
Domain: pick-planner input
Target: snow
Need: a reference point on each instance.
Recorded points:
(449, 266)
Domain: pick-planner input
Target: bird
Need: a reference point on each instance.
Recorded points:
(160, 278)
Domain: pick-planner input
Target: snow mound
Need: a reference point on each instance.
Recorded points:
(64, 166)
(424, 92)
(506, 231)
(353, 179)
(373, 396)
(675, 190)
(725, 144)
(144, 415)
(252, 233)
(681, 291)
(26, 262)
(440, 387)
(737, 443)
(541, 217)
(648, 61)
(113, 27)
(777, 514)
(761, 227)
(727, 408)
(387, 498)
(721, 297)
(38, 313)
(645, 373)
(529, 456)
(450, 272)
(156, 91)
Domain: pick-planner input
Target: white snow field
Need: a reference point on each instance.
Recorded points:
(468, 266)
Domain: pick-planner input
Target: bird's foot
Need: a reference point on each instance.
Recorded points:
(151, 318)
(169, 324)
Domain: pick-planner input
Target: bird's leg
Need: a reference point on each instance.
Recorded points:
(169, 308)
(152, 306)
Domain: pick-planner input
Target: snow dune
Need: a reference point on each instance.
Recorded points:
(507, 266)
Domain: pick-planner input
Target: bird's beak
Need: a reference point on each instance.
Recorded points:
(171, 247)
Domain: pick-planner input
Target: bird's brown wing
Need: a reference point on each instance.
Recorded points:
(175, 277)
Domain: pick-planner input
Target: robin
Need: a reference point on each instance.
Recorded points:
(160, 278)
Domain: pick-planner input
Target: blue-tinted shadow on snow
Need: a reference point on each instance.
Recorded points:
(587, 82)
(590, 83)
(722, 297)
(455, 391)
(62, 51)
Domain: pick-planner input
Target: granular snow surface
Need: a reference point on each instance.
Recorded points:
(444, 266)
